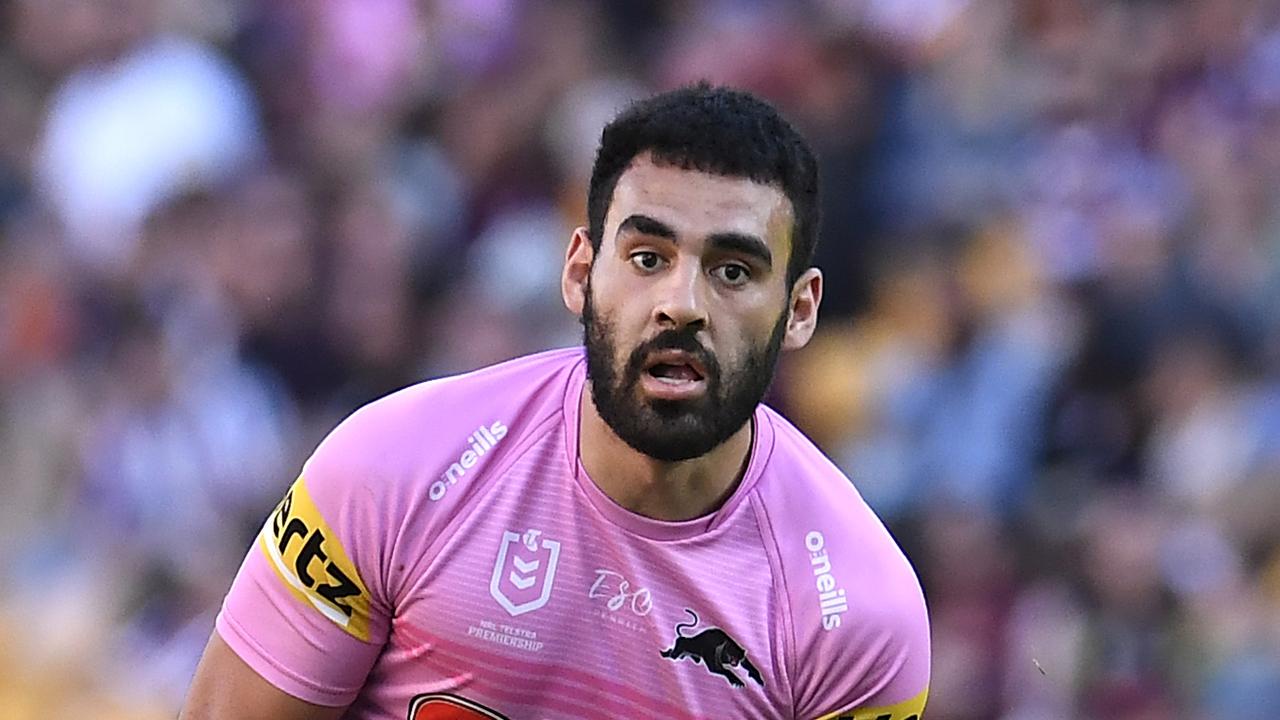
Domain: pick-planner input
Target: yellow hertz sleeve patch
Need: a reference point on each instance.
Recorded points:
(306, 554)
(911, 709)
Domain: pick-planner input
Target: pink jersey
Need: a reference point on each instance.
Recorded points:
(445, 556)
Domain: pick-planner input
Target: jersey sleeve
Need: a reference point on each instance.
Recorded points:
(309, 609)
(855, 627)
(861, 628)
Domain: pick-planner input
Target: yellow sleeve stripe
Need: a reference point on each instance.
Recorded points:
(911, 709)
(308, 557)
(295, 585)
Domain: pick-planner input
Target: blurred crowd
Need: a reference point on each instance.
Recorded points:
(1049, 353)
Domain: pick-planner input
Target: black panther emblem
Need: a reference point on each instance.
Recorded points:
(715, 649)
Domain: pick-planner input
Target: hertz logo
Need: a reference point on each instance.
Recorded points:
(307, 556)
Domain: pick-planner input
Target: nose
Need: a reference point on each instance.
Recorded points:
(682, 298)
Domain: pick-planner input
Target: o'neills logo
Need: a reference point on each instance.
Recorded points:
(481, 441)
(830, 596)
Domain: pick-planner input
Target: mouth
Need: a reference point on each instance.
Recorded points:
(673, 375)
(675, 367)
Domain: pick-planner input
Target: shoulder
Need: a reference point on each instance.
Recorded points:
(439, 419)
(419, 453)
(358, 524)
(860, 624)
(385, 482)
(819, 519)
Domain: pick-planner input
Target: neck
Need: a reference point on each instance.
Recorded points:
(661, 490)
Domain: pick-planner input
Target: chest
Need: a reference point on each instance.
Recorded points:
(537, 605)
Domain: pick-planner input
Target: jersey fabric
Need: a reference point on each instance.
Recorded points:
(445, 556)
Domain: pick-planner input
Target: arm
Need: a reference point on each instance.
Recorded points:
(226, 688)
(309, 612)
(861, 626)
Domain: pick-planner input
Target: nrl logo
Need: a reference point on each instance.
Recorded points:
(524, 572)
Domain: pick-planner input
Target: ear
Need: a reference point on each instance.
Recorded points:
(577, 270)
(806, 296)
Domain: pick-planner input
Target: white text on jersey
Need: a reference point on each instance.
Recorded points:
(481, 441)
(830, 596)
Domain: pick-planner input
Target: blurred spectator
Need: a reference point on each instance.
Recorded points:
(1050, 349)
(143, 119)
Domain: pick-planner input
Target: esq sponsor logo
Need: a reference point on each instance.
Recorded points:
(307, 556)
(619, 593)
(481, 441)
(830, 596)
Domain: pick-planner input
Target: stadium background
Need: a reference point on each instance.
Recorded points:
(1049, 351)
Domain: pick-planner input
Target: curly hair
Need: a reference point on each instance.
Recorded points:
(716, 130)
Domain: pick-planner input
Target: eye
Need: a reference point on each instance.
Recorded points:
(732, 273)
(646, 261)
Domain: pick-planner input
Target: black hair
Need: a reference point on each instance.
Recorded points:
(716, 130)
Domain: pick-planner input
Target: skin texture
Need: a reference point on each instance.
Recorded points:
(641, 285)
(642, 412)
(687, 287)
(225, 688)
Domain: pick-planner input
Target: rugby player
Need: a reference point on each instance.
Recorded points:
(620, 530)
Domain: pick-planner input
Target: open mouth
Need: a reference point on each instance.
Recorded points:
(675, 367)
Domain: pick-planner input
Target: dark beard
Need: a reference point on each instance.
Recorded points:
(674, 430)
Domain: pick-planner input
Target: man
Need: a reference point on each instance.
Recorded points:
(623, 532)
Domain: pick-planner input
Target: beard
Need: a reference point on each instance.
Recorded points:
(675, 430)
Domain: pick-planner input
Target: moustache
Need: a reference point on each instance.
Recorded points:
(683, 340)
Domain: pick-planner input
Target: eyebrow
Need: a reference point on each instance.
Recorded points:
(743, 244)
(646, 225)
(735, 242)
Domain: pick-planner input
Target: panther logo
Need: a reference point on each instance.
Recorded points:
(713, 648)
